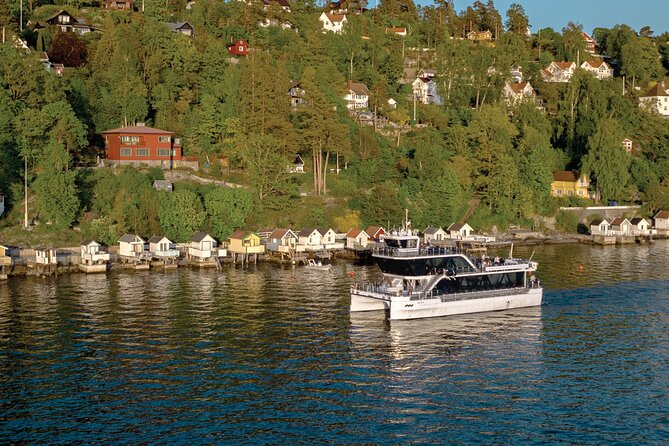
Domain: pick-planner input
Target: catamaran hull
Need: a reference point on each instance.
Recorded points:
(402, 308)
(362, 303)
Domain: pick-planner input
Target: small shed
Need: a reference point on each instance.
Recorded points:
(599, 226)
(433, 234)
(163, 185)
(460, 230)
(184, 28)
(298, 165)
(310, 237)
(91, 252)
(357, 239)
(375, 232)
(5, 256)
(203, 246)
(131, 245)
(662, 220)
(640, 224)
(161, 246)
(621, 225)
(46, 256)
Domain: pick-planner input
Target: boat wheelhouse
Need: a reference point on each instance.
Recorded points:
(425, 281)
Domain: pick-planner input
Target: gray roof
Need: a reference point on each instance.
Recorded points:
(431, 230)
(88, 242)
(305, 232)
(156, 238)
(178, 25)
(198, 236)
(131, 238)
(323, 231)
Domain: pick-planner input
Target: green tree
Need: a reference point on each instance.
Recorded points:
(181, 214)
(517, 21)
(606, 160)
(227, 210)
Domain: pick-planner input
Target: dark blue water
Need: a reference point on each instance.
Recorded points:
(272, 356)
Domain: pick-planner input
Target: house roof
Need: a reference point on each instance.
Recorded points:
(157, 238)
(53, 16)
(373, 230)
(199, 236)
(617, 221)
(335, 18)
(305, 232)
(358, 88)
(139, 129)
(565, 175)
(393, 29)
(656, 90)
(587, 37)
(636, 220)
(596, 63)
(88, 243)
(355, 232)
(131, 238)
(457, 226)
(323, 231)
(280, 233)
(298, 160)
(564, 65)
(431, 230)
(662, 214)
(518, 87)
(178, 25)
(240, 234)
(598, 221)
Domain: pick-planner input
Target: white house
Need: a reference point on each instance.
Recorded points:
(283, 240)
(357, 239)
(640, 225)
(131, 245)
(432, 234)
(559, 72)
(91, 252)
(516, 92)
(357, 96)
(162, 247)
(460, 230)
(203, 246)
(333, 22)
(425, 90)
(620, 226)
(662, 220)
(599, 227)
(599, 68)
(46, 256)
(656, 99)
(316, 239)
(297, 166)
(392, 103)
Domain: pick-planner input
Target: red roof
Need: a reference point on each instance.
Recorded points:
(354, 233)
(566, 175)
(139, 129)
(335, 18)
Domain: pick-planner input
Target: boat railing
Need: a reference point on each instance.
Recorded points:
(362, 289)
(416, 252)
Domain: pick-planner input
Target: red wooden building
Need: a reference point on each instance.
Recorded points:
(238, 48)
(142, 145)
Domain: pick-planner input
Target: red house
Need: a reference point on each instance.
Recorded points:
(139, 144)
(238, 48)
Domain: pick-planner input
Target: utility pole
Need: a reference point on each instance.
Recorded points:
(414, 107)
(25, 191)
(21, 16)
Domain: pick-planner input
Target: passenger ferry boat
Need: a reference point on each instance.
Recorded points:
(424, 282)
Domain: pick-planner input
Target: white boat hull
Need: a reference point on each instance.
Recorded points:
(403, 308)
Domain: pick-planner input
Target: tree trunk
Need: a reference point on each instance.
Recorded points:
(325, 172)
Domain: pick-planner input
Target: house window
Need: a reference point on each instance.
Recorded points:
(163, 152)
(129, 139)
(63, 19)
(571, 192)
(126, 152)
(173, 152)
(241, 49)
(559, 191)
(164, 139)
(142, 152)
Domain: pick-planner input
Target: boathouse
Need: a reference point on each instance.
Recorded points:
(131, 245)
(5, 261)
(245, 245)
(161, 247)
(432, 234)
(357, 240)
(599, 226)
(375, 232)
(662, 221)
(460, 230)
(284, 241)
(621, 226)
(204, 247)
(46, 256)
(92, 253)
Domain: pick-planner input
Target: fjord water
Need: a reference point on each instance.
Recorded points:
(271, 355)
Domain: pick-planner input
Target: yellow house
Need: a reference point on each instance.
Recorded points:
(5, 258)
(567, 183)
(245, 242)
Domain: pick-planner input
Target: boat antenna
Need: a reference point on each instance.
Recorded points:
(531, 256)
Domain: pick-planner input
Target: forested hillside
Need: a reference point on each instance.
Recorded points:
(234, 114)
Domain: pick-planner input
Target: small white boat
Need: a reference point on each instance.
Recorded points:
(313, 264)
